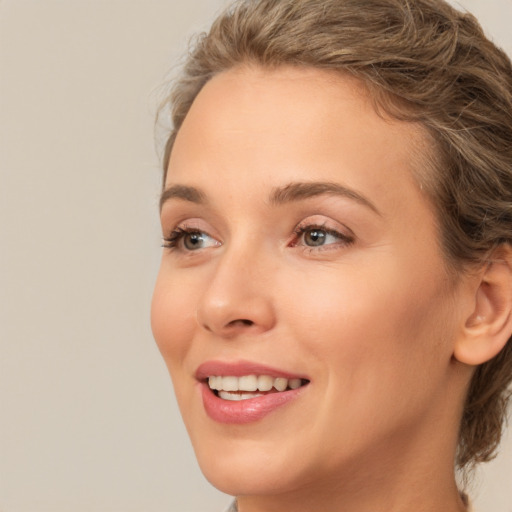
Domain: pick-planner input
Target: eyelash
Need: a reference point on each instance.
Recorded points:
(176, 236)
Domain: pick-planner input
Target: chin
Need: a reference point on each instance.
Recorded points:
(242, 468)
(250, 480)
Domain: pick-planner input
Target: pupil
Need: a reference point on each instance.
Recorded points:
(315, 237)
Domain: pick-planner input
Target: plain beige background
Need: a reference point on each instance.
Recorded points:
(87, 418)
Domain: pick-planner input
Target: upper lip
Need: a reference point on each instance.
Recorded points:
(241, 368)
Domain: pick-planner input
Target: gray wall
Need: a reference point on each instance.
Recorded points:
(87, 418)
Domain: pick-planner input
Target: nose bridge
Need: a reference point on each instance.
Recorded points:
(238, 297)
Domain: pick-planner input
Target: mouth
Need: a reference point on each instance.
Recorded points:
(248, 387)
(245, 392)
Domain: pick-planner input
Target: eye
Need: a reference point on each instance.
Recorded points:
(189, 240)
(195, 240)
(316, 237)
(319, 236)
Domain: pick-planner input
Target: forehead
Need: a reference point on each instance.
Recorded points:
(291, 123)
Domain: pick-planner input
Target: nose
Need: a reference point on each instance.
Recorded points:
(238, 299)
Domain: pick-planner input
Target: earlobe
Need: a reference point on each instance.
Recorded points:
(489, 325)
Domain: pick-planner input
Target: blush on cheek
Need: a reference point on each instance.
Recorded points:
(168, 322)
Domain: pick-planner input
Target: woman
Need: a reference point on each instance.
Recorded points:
(335, 294)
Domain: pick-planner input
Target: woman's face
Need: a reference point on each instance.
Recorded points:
(302, 253)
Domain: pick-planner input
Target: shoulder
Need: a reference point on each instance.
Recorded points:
(232, 507)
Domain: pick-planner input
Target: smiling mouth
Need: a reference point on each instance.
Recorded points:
(251, 386)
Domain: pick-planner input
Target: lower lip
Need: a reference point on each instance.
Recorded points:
(245, 411)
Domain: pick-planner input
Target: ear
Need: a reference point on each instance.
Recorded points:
(489, 324)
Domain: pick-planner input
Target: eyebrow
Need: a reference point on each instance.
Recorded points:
(292, 192)
(184, 192)
(304, 190)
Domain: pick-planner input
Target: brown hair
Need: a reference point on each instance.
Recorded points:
(422, 61)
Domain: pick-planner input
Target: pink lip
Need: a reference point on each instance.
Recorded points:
(243, 411)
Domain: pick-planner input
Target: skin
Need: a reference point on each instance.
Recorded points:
(371, 317)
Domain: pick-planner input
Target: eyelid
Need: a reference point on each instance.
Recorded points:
(323, 222)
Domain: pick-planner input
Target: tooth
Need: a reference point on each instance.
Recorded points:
(226, 395)
(230, 383)
(251, 383)
(294, 383)
(248, 383)
(281, 383)
(265, 383)
(215, 382)
(245, 396)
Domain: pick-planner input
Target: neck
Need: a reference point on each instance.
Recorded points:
(392, 495)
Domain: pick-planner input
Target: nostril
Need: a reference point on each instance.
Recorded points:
(241, 321)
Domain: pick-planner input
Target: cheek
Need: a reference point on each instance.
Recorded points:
(379, 344)
(376, 324)
(172, 318)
